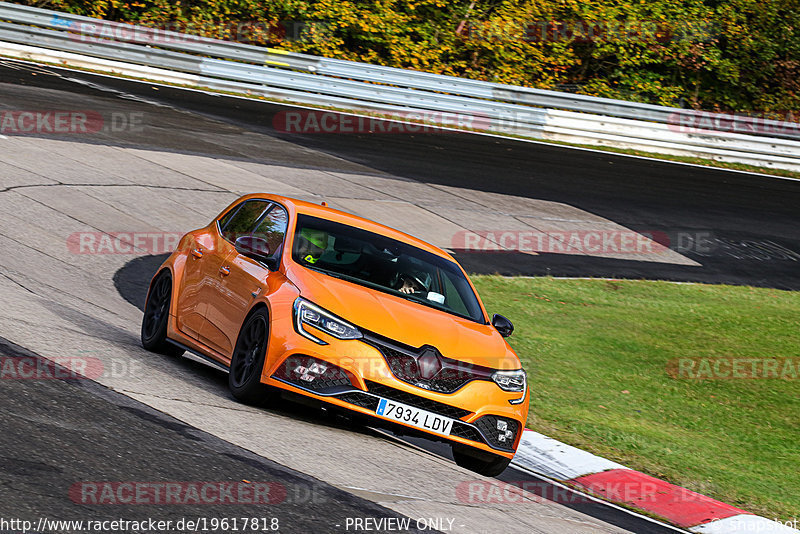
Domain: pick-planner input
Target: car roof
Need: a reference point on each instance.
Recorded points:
(328, 213)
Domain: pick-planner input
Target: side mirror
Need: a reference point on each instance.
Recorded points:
(253, 247)
(503, 325)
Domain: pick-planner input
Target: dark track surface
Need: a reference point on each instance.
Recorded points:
(57, 433)
(742, 228)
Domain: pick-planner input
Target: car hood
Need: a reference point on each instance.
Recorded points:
(407, 322)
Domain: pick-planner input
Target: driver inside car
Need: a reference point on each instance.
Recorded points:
(311, 244)
(410, 280)
(408, 284)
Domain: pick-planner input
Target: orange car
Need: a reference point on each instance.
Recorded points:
(317, 302)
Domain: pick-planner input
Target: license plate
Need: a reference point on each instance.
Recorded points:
(415, 417)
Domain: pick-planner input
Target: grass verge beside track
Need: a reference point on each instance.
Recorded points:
(599, 355)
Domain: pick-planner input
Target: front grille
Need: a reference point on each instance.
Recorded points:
(416, 401)
(360, 399)
(425, 368)
(488, 425)
(405, 367)
(313, 374)
(465, 431)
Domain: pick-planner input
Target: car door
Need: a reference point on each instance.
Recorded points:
(199, 280)
(240, 279)
(205, 258)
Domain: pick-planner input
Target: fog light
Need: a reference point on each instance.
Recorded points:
(502, 438)
(317, 368)
(502, 425)
(311, 373)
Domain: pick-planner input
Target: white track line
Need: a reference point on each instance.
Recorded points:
(557, 460)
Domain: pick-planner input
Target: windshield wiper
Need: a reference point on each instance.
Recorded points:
(425, 301)
(329, 273)
(342, 276)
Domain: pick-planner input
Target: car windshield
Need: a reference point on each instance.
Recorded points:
(384, 264)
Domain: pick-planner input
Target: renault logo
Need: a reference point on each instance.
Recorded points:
(429, 363)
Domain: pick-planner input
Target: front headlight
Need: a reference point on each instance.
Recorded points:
(306, 313)
(510, 380)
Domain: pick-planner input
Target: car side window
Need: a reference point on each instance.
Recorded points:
(243, 221)
(227, 217)
(273, 228)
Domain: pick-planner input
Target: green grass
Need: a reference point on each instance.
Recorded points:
(597, 355)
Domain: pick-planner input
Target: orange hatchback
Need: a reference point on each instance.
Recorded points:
(317, 302)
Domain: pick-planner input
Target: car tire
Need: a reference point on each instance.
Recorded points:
(156, 315)
(483, 463)
(247, 362)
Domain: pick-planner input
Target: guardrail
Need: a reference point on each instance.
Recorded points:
(224, 65)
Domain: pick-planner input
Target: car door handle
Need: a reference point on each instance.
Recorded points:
(197, 252)
(225, 270)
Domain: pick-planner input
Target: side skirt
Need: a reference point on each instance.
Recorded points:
(212, 361)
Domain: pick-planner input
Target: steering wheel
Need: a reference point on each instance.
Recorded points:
(406, 278)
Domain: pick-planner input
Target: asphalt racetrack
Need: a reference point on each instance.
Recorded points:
(166, 161)
(740, 228)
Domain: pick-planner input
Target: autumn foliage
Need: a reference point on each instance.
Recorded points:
(727, 55)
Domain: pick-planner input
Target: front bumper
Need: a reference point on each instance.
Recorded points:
(356, 376)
